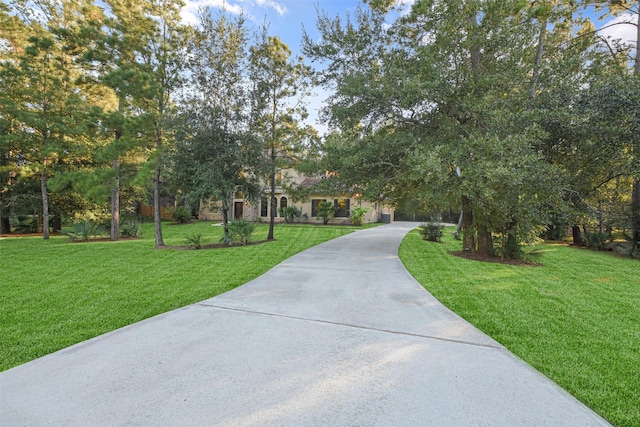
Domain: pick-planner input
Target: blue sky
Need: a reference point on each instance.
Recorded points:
(286, 17)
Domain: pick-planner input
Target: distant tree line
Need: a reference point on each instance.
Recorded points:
(107, 103)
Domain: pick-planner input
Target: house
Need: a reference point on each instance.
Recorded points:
(260, 210)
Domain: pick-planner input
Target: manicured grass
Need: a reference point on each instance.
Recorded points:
(54, 294)
(576, 318)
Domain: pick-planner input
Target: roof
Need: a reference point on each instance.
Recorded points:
(310, 182)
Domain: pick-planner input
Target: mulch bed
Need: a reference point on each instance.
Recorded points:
(30, 234)
(214, 246)
(477, 257)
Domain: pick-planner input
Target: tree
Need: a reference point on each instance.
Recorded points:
(13, 32)
(326, 211)
(162, 58)
(279, 84)
(444, 91)
(216, 156)
(113, 42)
(46, 110)
(622, 52)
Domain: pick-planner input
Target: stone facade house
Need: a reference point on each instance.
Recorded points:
(260, 210)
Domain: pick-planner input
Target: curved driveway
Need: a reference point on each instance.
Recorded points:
(338, 335)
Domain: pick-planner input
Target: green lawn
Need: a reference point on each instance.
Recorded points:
(576, 318)
(54, 294)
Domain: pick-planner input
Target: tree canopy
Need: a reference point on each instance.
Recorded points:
(454, 104)
(519, 114)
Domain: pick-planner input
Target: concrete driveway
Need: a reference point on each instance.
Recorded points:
(338, 335)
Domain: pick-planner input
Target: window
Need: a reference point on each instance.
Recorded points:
(264, 206)
(315, 204)
(343, 207)
(283, 202)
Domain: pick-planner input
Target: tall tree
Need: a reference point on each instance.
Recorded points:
(14, 36)
(113, 41)
(630, 55)
(279, 85)
(47, 108)
(162, 59)
(448, 81)
(216, 156)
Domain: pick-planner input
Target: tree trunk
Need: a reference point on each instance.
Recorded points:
(115, 201)
(468, 235)
(274, 203)
(635, 213)
(5, 225)
(156, 206)
(538, 63)
(456, 233)
(45, 201)
(485, 242)
(115, 189)
(512, 248)
(577, 235)
(57, 222)
(635, 192)
(225, 220)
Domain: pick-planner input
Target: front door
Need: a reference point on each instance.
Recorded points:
(238, 210)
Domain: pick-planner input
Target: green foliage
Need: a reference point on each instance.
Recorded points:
(574, 318)
(290, 213)
(181, 214)
(26, 225)
(194, 240)
(597, 240)
(83, 231)
(215, 159)
(280, 83)
(431, 231)
(357, 215)
(491, 91)
(131, 228)
(241, 230)
(326, 211)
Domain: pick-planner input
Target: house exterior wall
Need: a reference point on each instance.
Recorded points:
(259, 211)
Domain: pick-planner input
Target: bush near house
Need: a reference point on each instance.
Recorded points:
(326, 211)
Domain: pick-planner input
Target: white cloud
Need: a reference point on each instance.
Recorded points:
(621, 28)
(190, 10)
(246, 7)
(278, 7)
(405, 6)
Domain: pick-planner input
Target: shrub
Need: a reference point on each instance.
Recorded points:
(181, 214)
(26, 225)
(290, 213)
(194, 240)
(326, 211)
(131, 228)
(597, 240)
(240, 231)
(431, 231)
(358, 215)
(84, 230)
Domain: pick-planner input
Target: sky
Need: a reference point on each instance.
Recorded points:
(286, 19)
